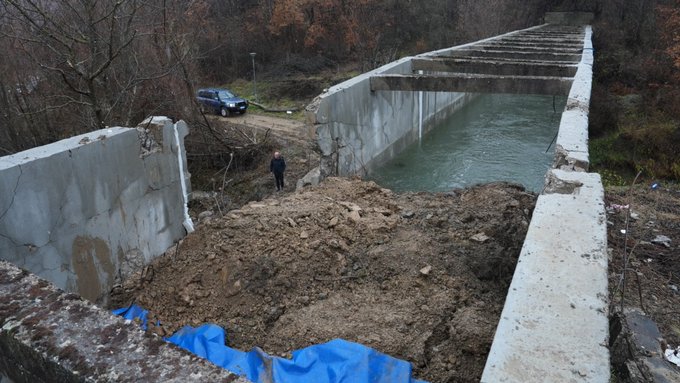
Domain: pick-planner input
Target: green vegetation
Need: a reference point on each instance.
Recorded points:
(635, 105)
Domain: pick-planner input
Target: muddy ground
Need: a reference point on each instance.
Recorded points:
(638, 219)
(419, 276)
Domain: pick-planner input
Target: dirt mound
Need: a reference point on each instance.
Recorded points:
(419, 276)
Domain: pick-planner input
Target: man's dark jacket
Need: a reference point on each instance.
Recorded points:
(278, 165)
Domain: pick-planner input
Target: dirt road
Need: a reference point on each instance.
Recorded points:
(286, 130)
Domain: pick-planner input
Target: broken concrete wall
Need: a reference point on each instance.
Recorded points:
(82, 211)
(47, 335)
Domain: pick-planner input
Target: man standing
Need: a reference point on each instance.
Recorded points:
(278, 166)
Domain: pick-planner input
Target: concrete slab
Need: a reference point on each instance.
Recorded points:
(544, 48)
(554, 326)
(518, 54)
(475, 83)
(541, 40)
(481, 66)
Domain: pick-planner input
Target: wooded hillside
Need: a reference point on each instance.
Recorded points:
(76, 65)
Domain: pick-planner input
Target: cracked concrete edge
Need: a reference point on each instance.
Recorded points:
(17, 167)
(577, 161)
(572, 139)
(48, 335)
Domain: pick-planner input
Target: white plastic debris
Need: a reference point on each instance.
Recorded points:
(662, 240)
(480, 237)
(673, 355)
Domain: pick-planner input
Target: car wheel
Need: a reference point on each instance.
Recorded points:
(242, 111)
(224, 112)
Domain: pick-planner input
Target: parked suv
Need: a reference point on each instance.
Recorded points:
(222, 101)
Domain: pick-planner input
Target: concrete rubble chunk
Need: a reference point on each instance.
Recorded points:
(351, 206)
(354, 216)
(480, 237)
(638, 349)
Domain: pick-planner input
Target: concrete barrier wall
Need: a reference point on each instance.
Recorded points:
(358, 130)
(554, 326)
(86, 211)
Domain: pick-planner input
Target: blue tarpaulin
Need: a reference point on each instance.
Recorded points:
(337, 361)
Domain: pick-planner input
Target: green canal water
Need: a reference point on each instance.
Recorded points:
(496, 137)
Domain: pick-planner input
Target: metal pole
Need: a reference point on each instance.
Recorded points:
(252, 55)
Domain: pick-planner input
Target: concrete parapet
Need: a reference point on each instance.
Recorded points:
(47, 335)
(83, 211)
(572, 139)
(554, 325)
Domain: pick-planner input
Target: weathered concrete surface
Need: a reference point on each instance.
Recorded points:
(495, 67)
(83, 211)
(47, 336)
(571, 151)
(477, 83)
(358, 130)
(554, 325)
(549, 56)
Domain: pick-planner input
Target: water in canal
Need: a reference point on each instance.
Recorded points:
(496, 137)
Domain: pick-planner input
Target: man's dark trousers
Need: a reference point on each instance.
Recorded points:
(279, 180)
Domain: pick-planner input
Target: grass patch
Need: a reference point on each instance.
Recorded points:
(640, 144)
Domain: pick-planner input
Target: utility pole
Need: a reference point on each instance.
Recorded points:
(252, 55)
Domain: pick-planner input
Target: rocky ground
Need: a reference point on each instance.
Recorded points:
(644, 238)
(419, 276)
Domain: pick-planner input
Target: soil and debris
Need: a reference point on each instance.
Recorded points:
(643, 225)
(419, 276)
